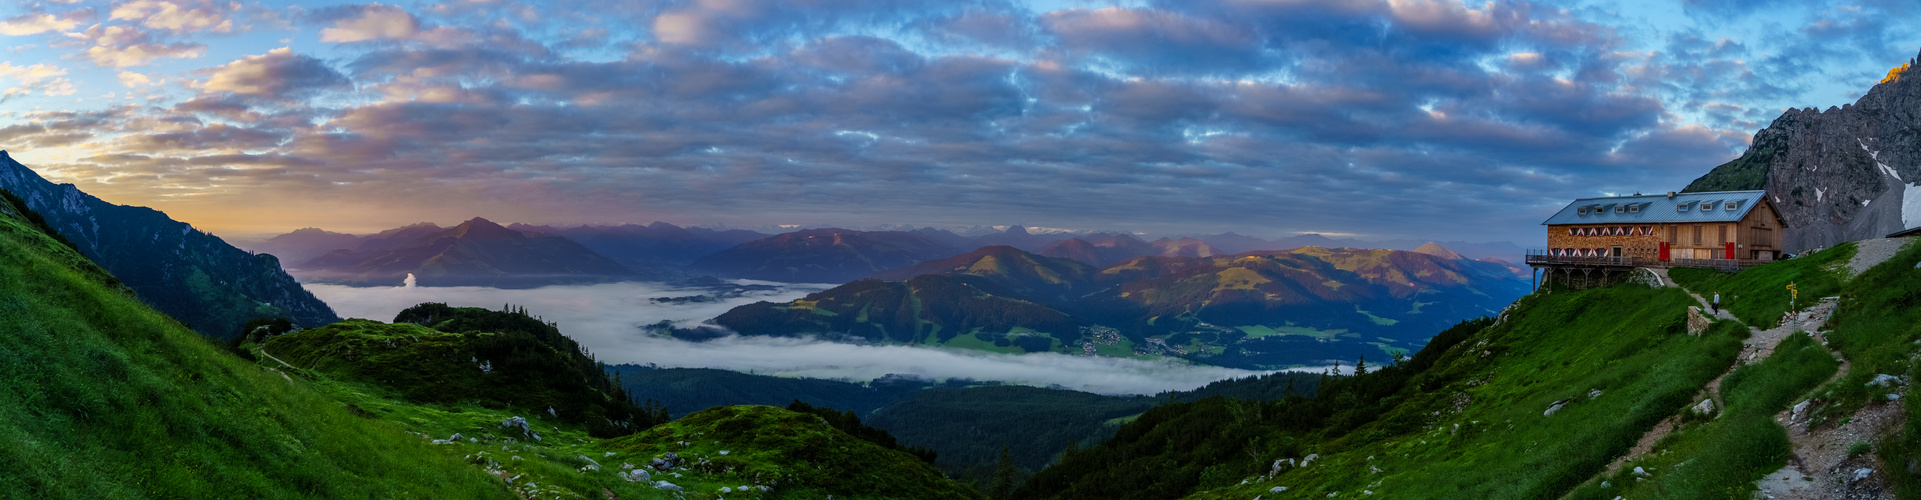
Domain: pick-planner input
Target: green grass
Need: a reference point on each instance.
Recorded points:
(101, 397)
(1877, 326)
(1759, 295)
(797, 454)
(1722, 457)
(1627, 341)
(969, 341)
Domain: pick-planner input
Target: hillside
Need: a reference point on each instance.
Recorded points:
(192, 276)
(434, 354)
(1258, 310)
(102, 397)
(1575, 394)
(823, 255)
(477, 252)
(1843, 174)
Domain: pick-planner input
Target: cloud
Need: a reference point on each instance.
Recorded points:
(33, 24)
(177, 16)
(607, 319)
(134, 80)
(359, 23)
(126, 46)
(44, 79)
(278, 74)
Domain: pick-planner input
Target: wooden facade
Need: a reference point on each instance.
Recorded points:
(1757, 236)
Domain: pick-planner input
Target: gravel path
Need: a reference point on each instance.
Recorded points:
(1867, 253)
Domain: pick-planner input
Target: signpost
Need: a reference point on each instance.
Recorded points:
(1793, 295)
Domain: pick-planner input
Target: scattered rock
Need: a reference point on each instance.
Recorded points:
(1554, 407)
(1886, 380)
(1595, 393)
(591, 464)
(1277, 489)
(1706, 407)
(1309, 458)
(723, 453)
(626, 466)
(637, 476)
(667, 461)
(668, 486)
(550, 411)
(1892, 397)
(455, 438)
(519, 423)
(725, 489)
(1862, 473)
(1640, 472)
(1796, 415)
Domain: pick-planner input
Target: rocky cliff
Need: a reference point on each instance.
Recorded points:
(1842, 174)
(190, 275)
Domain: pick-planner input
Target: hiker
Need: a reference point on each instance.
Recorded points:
(1717, 302)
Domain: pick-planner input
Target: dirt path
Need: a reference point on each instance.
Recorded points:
(1758, 346)
(263, 352)
(1822, 466)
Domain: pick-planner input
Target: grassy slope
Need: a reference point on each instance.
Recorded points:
(351, 362)
(1723, 456)
(101, 397)
(797, 454)
(1877, 327)
(1759, 295)
(1626, 341)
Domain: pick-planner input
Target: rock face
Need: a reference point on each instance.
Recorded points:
(1843, 174)
(195, 277)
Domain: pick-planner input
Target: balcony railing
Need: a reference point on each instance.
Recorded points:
(1542, 257)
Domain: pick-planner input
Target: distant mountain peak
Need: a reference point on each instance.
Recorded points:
(1435, 249)
(1017, 229)
(482, 228)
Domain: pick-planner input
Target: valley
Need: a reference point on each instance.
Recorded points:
(1024, 250)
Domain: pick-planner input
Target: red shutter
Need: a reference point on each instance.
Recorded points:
(1730, 250)
(1664, 251)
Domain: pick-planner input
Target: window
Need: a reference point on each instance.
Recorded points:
(1724, 233)
(1674, 234)
(1683, 207)
(1697, 234)
(1635, 208)
(1708, 205)
(1581, 211)
(1621, 209)
(1733, 205)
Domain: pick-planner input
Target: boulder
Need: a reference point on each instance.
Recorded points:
(637, 476)
(1798, 409)
(1640, 472)
(1554, 408)
(668, 486)
(518, 423)
(1885, 380)
(1697, 321)
(1862, 473)
(1705, 407)
(725, 489)
(1277, 489)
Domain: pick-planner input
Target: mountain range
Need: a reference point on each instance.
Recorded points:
(477, 252)
(1842, 174)
(1255, 310)
(195, 277)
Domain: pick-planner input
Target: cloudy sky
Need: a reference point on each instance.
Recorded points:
(1429, 119)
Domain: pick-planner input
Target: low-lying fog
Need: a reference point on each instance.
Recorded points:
(607, 319)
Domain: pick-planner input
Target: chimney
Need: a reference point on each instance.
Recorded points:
(1670, 195)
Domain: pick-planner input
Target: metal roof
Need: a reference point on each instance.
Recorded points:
(1660, 209)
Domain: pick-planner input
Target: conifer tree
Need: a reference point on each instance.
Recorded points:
(1360, 366)
(1004, 475)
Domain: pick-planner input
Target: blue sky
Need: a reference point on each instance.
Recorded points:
(1431, 119)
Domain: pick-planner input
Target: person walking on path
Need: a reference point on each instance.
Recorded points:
(1717, 302)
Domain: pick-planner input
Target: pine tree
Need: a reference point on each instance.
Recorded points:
(1360, 367)
(1004, 475)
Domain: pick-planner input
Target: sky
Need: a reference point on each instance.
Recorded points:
(1434, 119)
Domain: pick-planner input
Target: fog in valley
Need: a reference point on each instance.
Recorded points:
(607, 319)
